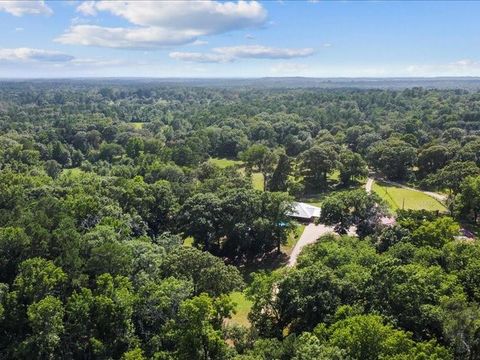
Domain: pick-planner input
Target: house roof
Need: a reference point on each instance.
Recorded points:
(304, 211)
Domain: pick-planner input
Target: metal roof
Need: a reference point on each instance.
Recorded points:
(304, 211)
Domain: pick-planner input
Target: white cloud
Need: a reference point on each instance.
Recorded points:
(199, 43)
(249, 37)
(463, 67)
(263, 52)
(28, 54)
(163, 23)
(18, 29)
(327, 45)
(287, 69)
(199, 57)
(98, 62)
(87, 8)
(232, 53)
(119, 37)
(23, 7)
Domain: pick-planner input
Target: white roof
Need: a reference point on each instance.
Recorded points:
(304, 211)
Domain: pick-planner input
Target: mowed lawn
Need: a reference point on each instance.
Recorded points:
(257, 178)
(223, 163)
(399, 198)
(137, 125)
(242, 308)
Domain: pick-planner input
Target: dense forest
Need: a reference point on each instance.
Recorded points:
(128, 218)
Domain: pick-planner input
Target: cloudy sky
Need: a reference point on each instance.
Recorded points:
(239, 38)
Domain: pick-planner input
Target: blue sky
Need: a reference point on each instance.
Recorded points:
(239, 38)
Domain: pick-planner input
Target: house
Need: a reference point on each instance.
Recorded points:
(304, 212)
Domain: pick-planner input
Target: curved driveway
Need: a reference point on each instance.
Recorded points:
(311, 234)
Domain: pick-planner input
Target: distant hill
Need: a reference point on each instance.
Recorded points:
(467, 83)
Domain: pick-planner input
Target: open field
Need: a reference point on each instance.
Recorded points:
(242, 308)
(188, 242)
(223, 163)
(399, 198)
(73, 171)
(257, 180)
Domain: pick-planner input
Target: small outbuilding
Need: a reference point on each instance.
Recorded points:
(304, 212)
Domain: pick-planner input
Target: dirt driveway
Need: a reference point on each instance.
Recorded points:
(311, 234)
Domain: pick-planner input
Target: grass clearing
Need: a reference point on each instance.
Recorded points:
(399, 198)
(243, 306)
(188, 242)
(137, 125)
(73, 171)
(223, 163)
(257, 181)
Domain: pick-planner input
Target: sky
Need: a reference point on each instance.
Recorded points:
(212, 39)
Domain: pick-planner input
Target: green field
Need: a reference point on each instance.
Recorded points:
(242, 308)
(223, 163)
(188, 242)
(257, 180)
(73, 171)
(399, 198)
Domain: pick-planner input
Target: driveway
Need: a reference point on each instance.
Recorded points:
(368, 185)
(311, 234)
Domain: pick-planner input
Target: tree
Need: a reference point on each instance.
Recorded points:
(467, 203)
(110, 151)
(352, 208)
(316, 163)
(112, 311)
(265, 312)
(197, 331)
(134, 147)
(279, 181)
(435, 233)
(53, 168)
(313, 290)
(261, 158)
(14, 247)
(351, 166)
(206, 272)
(461, 326)
(201, 217)
(367, 337)
(135, 354)
(432, 159)
(308, 346)
(38, 278)
(411, 295)
(45, 318)
(393, 157)
(452, 175)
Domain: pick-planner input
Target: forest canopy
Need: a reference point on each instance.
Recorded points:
(128, 218)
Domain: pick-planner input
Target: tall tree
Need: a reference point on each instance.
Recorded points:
(316, 163)
(279, 181)
(351, 166)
